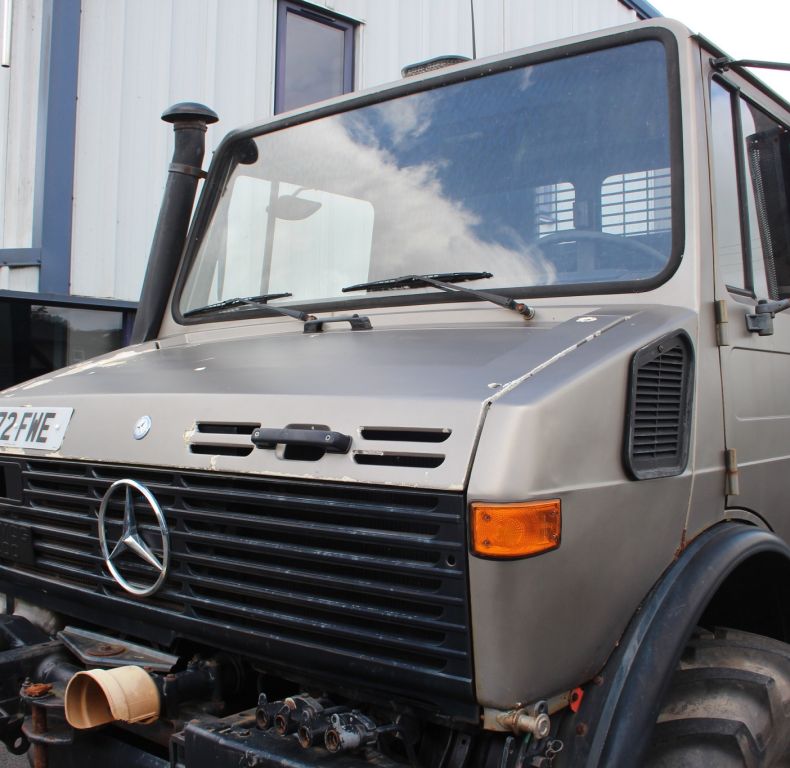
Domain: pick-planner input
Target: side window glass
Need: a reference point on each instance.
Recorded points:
(726, 203)
(765, 147)
(315, 56)
(759, 278)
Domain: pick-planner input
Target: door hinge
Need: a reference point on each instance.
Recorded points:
(731, 467)
(722, 323)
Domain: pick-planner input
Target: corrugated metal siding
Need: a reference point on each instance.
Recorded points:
(139, 56)
(536, 22)
(20, 84)
(18, 131)
(19, 279)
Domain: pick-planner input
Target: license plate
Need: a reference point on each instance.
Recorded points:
(16, 543)
(42, 428)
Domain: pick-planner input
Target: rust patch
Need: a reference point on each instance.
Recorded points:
(36, 690)
(105, 649)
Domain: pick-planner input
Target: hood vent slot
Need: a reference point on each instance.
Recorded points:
(407, 456)
(405, 434)
(429, 461)
(221, 450)
(211, 428)
(659, 409)
(222, 438)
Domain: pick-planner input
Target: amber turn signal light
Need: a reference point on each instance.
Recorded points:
(516, 530)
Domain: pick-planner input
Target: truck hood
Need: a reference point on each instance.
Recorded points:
(412, 399)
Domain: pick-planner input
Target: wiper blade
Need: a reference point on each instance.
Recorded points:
(409, 281)
(251, 301)
(444, 282)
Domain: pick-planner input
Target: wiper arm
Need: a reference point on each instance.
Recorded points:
(409, 281)
(444, 282)
(252, 301)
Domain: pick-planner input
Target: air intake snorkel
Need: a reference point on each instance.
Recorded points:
(189, 121)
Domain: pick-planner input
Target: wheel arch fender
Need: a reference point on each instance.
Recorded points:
(614, 722)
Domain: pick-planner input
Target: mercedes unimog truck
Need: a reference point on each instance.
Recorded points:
(455, 434)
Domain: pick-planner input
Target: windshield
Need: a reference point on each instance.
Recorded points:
(551, 175)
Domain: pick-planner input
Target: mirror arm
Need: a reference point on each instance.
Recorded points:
(762, 321)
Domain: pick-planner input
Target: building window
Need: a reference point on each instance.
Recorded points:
(315, 56)
(36, 337)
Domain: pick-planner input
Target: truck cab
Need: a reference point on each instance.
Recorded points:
(454, 435)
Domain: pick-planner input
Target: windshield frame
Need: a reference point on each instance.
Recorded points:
(223, 164)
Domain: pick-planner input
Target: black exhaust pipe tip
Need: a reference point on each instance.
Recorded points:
(189, 110)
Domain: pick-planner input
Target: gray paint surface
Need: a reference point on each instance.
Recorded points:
(415, 376)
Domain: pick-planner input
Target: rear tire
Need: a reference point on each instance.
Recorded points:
(728, 705)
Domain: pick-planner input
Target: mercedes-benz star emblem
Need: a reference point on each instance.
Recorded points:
(142, 427)
(130, 539)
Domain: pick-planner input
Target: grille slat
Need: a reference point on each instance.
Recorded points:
(337, 572)
(301, 503)
(346, 607)
(286, 621)
(59, 550)
(272, 524)
(311, 554)
(318, 579)
(64, 534)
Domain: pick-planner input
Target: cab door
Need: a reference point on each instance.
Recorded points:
(750, 168)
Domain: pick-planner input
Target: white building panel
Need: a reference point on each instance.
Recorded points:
(19, 85)
(19, 279)
(136, 59)
(99, 117)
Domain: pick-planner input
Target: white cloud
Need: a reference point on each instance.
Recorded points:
(423, 229)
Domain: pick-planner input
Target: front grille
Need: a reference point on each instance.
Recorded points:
(332, 579)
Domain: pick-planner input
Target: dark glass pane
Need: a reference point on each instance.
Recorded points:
(766, 153)
(14, 339)
(75, 334)
(37, 339)
(314, 55)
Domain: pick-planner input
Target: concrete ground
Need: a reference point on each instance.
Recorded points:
(7, 760)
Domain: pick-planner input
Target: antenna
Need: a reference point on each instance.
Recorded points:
(474, 42)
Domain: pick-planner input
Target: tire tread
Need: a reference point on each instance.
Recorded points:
(728, 705)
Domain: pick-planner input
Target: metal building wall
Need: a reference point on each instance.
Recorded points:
(19, 85)
(139, 56)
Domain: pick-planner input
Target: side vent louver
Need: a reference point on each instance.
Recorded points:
(658, 422)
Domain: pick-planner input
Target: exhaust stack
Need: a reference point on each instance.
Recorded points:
(101, 696)
(189, 121)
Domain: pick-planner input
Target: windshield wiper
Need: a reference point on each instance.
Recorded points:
(444, 281)
(252, 301)
(409, 281)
